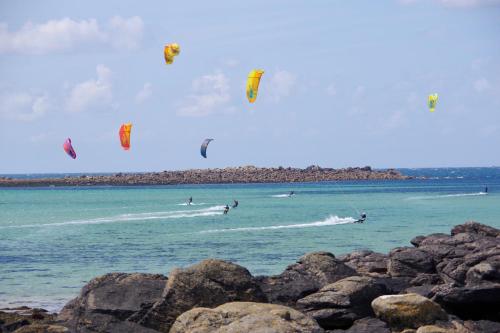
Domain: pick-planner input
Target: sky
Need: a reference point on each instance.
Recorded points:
(345, 84)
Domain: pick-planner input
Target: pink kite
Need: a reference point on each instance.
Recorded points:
(68, 148)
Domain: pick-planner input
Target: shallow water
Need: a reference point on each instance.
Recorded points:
(54, 240)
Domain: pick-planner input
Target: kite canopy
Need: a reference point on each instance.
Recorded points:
(125, 135)
(68, 148)
(432, 101)
(204, 146)
(253, 84)
(170, 51)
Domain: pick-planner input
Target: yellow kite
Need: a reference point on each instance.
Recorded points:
(432, 101)
(170, 51)
(253, 84)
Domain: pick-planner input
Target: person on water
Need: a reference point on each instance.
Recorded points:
(361, 219)
(190, 200)
(291, 193)
(486, 189)
(226, 209)
(235, 204)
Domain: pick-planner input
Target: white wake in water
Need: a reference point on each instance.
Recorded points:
(281, 195)
(210, 211)
(332, 220)
(447, 196)
(192, 204)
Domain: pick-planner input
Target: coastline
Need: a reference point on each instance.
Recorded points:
(442, 283)
(243, 175)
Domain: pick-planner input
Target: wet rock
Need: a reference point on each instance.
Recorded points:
(339, 304)
(311, 272)
(110, 299)
(407, 311)
(207, 284)
(407, 261)
(245, 317)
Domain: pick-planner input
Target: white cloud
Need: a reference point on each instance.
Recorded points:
(481, 85)
(144, 94)
(69, 35)
(210, 95)
(126, 33)
(92, 93)
(468, 3)
(331, 90)
(281, 84)
(458, 3)
(23, 106)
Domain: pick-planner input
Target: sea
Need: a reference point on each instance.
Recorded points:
(54, 240)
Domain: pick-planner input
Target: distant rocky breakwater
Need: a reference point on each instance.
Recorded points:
(443, 283)
(247, 174)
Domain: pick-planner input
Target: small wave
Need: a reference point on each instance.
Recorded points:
(332, 220)
(210, 211)
(447, 196)
(281, 195)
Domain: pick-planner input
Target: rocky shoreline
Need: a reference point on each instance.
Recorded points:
(247, 174)
(443, 283)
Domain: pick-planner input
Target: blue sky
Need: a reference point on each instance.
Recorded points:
(345, 84)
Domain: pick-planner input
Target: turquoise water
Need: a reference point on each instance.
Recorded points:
(54, 240)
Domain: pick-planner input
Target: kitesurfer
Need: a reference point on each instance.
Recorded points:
(226, 209)
(361, 219)
(486, 189)
(291, 193)
(235, 203)
(190, 201)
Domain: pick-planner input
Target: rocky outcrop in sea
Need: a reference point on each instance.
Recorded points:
(247, 174)
(443, 283)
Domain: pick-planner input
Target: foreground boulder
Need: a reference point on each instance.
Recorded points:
(311, 272)
(407, 311)
(480, 301)
(207, 284)
(245, 317)
(106, 302)
(339, 304)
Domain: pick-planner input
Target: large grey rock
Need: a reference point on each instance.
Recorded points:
(245, 317)
(365, 325)
(366, 262)
(476, 302)
(407, 310)
(339, 304)
(407, 261)
(311, 272)
(207, 284)
(111, 299)
(476, 228)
